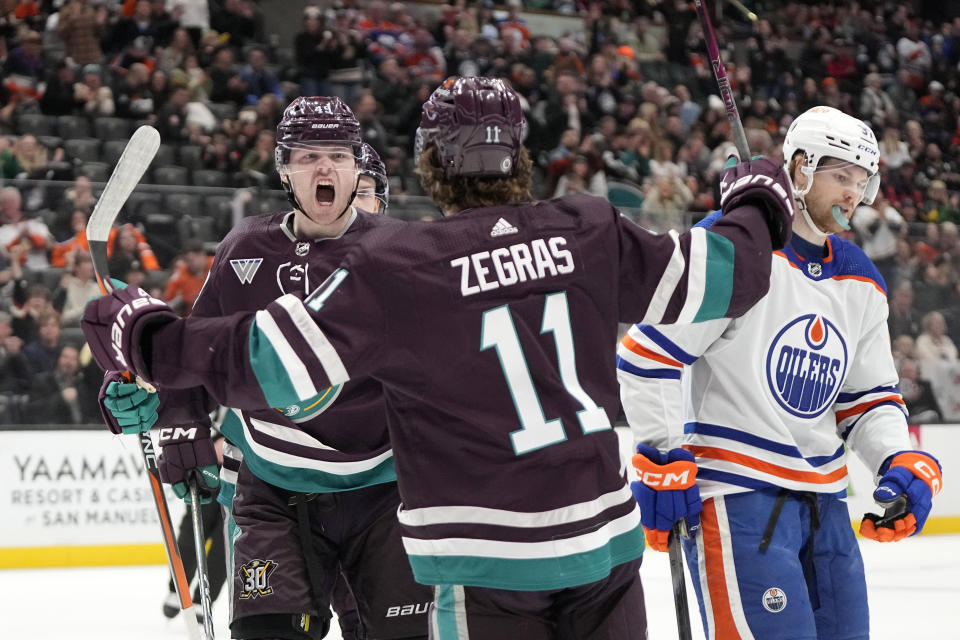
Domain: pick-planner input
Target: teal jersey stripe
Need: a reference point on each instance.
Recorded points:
(301, 479)
(718, 288)
(446, 613)
(271, 375)
(529, 574)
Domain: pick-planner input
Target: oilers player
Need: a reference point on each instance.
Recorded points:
(488, 330)
(315, 494)
(770, 403)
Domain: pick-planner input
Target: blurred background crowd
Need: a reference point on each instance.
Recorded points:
(619, 98)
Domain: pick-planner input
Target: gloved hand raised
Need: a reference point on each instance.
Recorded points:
(126, 407)
(115, 324)
(915, 476)
(188, 455)
(763, 184)
(667, 491)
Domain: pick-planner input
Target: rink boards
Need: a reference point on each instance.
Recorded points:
(80, 498)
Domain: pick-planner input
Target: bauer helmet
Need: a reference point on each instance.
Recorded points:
(316, 119)
(371, 165)
(476, 125)
(824, 132)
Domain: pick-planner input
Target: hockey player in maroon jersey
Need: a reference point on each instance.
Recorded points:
(316, 492)
(491, 331)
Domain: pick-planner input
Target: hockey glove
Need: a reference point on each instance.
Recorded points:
(762, 184)
(114, 326)
(913, 477)
(667, 491)
(187, 455)
(125, 406)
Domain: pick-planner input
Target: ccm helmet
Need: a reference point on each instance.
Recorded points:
(476, 125)
(824, 132)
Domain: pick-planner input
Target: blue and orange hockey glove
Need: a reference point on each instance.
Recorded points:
(666, 490)
(909, 480)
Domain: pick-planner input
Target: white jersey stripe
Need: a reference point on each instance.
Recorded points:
(477, 547)
(502, 517)
(292, 364)
(290, 460)
(705, 587)
(730, 571)
(667, 285)
(322, 349)
(696, 276)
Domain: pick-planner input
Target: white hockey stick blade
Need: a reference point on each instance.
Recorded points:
(133, 163)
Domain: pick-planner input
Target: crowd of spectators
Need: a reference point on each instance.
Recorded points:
(621, 106)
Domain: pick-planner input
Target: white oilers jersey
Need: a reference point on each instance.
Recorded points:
(771, 398)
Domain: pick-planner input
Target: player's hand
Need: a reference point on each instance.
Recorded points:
(912, 478)
(667, 492)
(115, 324)
(188, 455)
(125, 406)
(763, 184)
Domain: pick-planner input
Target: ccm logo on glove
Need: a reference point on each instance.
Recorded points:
(176, 433)
(120, 322)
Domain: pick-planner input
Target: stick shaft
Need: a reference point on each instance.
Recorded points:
(723, 84)
(200, 548)
(679, 584)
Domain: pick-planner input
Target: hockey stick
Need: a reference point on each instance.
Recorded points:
(200, 547)
(723, 84)
(131, 166)
(679, 584)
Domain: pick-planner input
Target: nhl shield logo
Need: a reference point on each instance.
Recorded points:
(806, 362)
(302, 249)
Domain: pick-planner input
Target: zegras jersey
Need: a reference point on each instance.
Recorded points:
(770, 399)
(311, 445)
(492, 332)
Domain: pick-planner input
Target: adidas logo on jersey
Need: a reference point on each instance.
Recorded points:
(502, 228)
(246, 268)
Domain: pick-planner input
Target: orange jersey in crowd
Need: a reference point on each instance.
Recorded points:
(186, 285)
(58, 256)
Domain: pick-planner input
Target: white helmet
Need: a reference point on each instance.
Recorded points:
(827, 132)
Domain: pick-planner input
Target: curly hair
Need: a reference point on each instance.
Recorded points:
(462, 192)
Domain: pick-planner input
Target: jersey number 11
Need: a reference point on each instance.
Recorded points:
(499, 332)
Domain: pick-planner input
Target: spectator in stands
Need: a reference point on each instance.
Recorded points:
(259, 163)
(42, 353)
(63, 252)
(917, 394)
(933, 166)
(220, 154)
(187, 280)
(63, 395)
(893, 150)
(80, 26)
(260, 80)
(131, 95)
(226, 84)
(127, 247)
(162, 22)
(875, 105)
(174, 55)
(26, 157)
(239, 20)
(901, 184)
(26, 59)
(904, 319)
(59, 98)
(159, 87)
(127, 29)
(878, 226)
(30, 237)
(940, 206)
(313, 48)
(903, 95)
(670, 197)
(581, 177)
(171, 120)
(96, 98)
(30, 303)
(14, 371)
(77, 287)
(372, 129)
(933, 346)
(913, 55)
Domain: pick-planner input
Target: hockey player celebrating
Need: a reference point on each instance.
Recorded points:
(488, 330)
(770, 402)
(373, 189)
(316, 492)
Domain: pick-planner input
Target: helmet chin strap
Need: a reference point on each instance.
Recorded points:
(800, 197)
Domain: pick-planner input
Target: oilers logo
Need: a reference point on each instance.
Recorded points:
(774, 600)
(806, 363)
